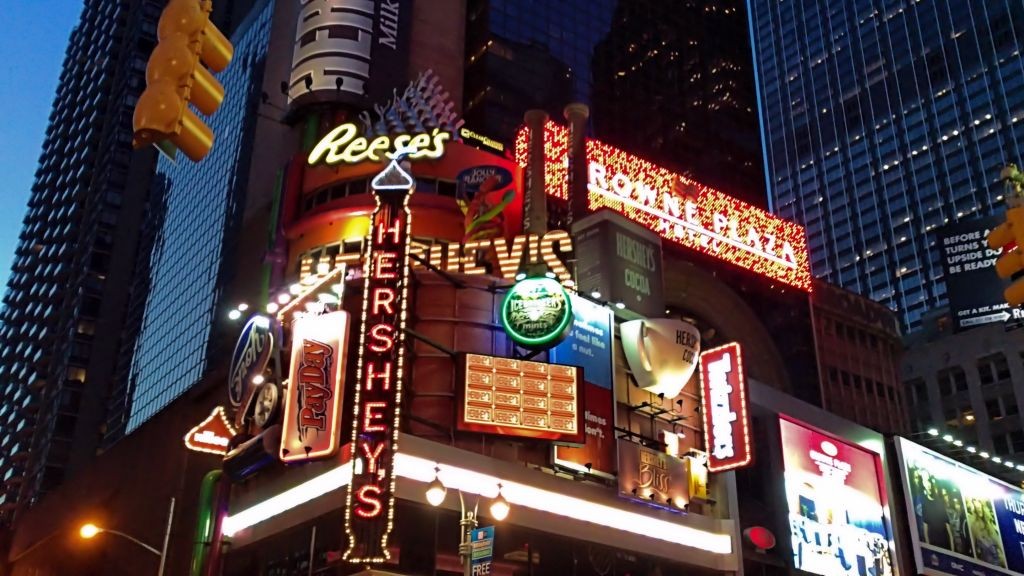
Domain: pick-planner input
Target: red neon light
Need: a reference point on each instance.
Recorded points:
(724, 405)
(370, 499)
(373, 501)
(383, 337)
(679, 209)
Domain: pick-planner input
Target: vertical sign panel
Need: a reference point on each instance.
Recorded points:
(312, 404)
(975, 290)
(589, 346)
(724, 405)
(370, 503)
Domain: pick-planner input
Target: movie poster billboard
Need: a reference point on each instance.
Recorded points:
(836, 516)
(961, 520)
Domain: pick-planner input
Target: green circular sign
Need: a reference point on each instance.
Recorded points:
(537, 313)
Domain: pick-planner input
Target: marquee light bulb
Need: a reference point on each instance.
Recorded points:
(272, 307)
(284, 298)
(235, 314)
(595, 295)
(295, 289)
(243, 306)
(933, 431)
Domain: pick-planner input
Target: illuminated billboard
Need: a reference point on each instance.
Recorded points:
(679, 209)
(520, 398)
(961, 520)
(313, 398)
(724, 405)
(836, 516)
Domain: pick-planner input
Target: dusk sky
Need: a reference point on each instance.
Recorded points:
(31, 63)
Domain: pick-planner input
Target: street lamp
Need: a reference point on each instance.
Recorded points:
(90, 530)
(436, 492)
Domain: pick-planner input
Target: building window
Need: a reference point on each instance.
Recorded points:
(952, 380)
(1010, 407)
(993, 409)
(919, 389)
(1017, 441)
(993, 368)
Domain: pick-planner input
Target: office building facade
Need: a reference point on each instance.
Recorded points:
(89, 225)
(73, 261)
(968, 386)
(194, 217)
(859, 351)
(881, 123)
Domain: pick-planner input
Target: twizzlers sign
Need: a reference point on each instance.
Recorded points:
(724, 404)
(370, 504)
(679, 209)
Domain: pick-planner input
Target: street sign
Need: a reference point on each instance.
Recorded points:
(481, 551)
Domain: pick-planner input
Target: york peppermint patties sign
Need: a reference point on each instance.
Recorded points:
(724, 405)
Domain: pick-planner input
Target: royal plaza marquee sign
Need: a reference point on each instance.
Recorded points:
(679, 209)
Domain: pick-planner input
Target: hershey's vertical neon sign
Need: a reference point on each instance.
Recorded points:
(370, 504)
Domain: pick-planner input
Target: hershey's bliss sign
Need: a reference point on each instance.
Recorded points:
(724, 405)
(370, 503)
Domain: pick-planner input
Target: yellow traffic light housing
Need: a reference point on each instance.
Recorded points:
(175, 78)
(1010, 237)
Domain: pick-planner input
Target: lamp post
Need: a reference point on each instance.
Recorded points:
(436, 492)
(89, 531)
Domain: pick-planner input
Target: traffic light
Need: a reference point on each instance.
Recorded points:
(176, 77)
(1010, 237)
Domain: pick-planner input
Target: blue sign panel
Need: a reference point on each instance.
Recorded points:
(589, 344)
(481, 550)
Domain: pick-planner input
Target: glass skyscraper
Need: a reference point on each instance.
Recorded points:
(882, 121)
(195, 208)
(75, 256)
(668, 81)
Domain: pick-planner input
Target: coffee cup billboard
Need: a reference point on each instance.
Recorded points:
(662, 353)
